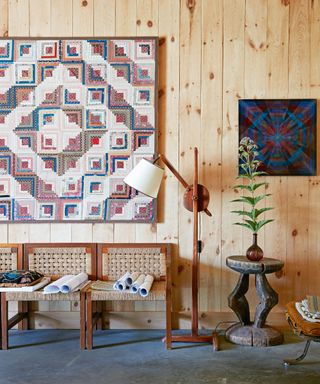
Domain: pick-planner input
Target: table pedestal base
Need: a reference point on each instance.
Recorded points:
(253, 336)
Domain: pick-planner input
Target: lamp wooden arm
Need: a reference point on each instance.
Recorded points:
(180, 178)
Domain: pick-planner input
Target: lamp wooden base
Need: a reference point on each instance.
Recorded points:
(210, 339)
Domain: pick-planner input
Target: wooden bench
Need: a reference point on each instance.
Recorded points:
(116, 259)
(54, 260)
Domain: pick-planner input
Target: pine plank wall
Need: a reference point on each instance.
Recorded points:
(212, 52)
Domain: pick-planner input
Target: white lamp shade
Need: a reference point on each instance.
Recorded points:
(145, 177)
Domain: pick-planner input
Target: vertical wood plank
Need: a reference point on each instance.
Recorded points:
(168, 122)
(104, 22)
(210, 151)
(255, 81)
(233, 89)
(4, 17)
(126, 18)
(104, 17)
(126, 25)
(277, 87)
(40, 17)
(4, 9)
(82, 18)
(61, 18)
(314, 182)
(298, 188)
(147, 25)
(18, 18)
(189, 133)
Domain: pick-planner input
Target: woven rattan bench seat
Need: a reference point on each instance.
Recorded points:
(39, 296)
(158, 292)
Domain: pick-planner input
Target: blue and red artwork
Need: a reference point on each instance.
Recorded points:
(285, 133)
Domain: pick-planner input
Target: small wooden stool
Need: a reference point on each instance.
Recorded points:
(306, 329)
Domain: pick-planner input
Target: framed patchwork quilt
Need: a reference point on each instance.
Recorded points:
(76, 115)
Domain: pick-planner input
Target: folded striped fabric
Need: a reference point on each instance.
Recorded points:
(313, 304)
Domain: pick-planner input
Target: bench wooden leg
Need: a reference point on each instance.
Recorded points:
(82, 320)
(23, 307)
(168, 339)
(89, 321)
(4, 321)
(99, 311)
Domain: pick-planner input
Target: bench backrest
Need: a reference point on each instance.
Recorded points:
(114, 260)
(10, 257)
(56, 260)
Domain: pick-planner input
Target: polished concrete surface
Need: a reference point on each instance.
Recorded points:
(139, 357)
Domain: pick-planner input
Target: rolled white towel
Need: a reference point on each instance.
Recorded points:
(146, 286)
(120, 284)
(132, 278)
(74, 283)
(137, 283)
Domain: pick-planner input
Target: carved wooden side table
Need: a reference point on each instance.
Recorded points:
(254, 333)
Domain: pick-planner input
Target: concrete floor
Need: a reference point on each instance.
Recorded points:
(129, 357)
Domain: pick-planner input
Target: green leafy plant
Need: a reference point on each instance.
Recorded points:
(251, 217)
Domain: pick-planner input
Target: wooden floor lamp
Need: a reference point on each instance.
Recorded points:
(146, 177)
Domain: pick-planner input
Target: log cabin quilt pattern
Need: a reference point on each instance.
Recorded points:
(76, 115)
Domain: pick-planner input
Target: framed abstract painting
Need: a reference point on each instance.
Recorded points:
(285, 133)
(76, 115)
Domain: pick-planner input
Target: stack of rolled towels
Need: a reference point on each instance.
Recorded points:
(135, 283)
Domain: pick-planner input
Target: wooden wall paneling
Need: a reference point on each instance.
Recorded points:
(314, 182)
(189, 133)
(40, 25)
(4, 17)
(4, 32)
(277, 87)
(298, 188)
(168, 124)
(255, 82)
(126, 25)
(82, 17)
(18, 18)
(104, 23)
(61, 18)
(40, 17)
(18, 15)
(61, 25)
(147, 25)
(210, 152)
(82, 25)
(233, 89)
(104, 17)
(314, 22)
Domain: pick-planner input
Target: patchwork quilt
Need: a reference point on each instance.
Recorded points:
(75, 117)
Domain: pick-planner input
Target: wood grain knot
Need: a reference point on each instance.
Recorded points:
(191, 4)
(162, 40)
(138, 22)
(294, 233)
(172, 39)
(180, 268)
(160, 93)
(84, 3)
(211, 76)
(149, 23)
(285, 2)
